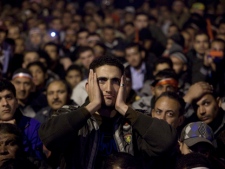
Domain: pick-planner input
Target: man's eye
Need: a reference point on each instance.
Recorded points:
(101, 81)
(170, 114)
(206, 103)
(116, 81)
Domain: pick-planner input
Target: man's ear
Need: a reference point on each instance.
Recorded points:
(180, 120)
(185, 67)
(219, 101)
(86, 87)
(142, 54)
(152, 90)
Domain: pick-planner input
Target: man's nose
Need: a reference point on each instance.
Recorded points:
(22, 87)
(163, 116)
(108, 86)
(4, 101)
(202, 110)
(3, 150)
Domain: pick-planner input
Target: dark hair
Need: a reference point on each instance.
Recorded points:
(201, 33)
(108, 27)
(68, 89)
(192, 160)
(7, 85)
(107, 60)
(74, 67)
(39, 64)
(82, 30)
(176, 97)
(141, 13)
(128, 23)
(166, 73)
(7, 128)
(83, 49)
(52, 44)
(94, 34)
(163, 60)
(122, 160)
(134, 45)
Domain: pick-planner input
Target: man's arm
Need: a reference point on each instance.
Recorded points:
(155, 137)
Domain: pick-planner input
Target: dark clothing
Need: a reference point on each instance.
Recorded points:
(79, 138)
(31, 141)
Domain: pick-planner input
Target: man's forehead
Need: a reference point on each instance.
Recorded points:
(22, 79)
(207, 96)
(6, 136)
(56, 86)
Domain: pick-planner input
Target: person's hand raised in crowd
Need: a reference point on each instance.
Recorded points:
(208, 61)
(121, 105)
(197, 90)
(94, 93)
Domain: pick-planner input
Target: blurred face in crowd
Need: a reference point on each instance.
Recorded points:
(23, 87)
(207, 108)
(30, 57)
(86, 58)
(160, 67)
(93, 40)
(160, 88)
(92, 26)
(67, 19)
(38, 75)
(70, 36)
(141, 21)
(73, 77)
(52, 52)
(178, 65)
(128, 30)
(168, 109)
(108, 35)
(99, 51)
(20, 46)
(35, 38)
(56, 25)
(178, 7)
(187, 40)
(13, 32)
(9, 147)
(172, 30)
(218, 46)
(82, 38)
(201, 44)
(221, 29)
(134, 57)
(2, 36)
(57, 95)
(8, 105)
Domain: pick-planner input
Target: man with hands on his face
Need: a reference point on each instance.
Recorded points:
(105, 124)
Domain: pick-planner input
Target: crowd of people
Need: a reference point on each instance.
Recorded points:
(106, 85)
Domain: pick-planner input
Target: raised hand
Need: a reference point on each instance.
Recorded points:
(197, 90)
(94, 93)
(121, 105)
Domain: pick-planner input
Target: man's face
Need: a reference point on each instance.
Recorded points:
(70, 36)
(159, 89)
(201, 44)
(73, 77)
(29, 58)
(109, 35)
(9, 148)
(207, 108)
(57, 95)
(52, 52)
(133, 57)
(86, 58)
(38, 75)
(178, 64)
(23, 87)
(82, 39)
(20, 46)
(109, 83)
(13, 33)
(8, 105)
(221, 29)
(57, 25)
(141, 22)
(160, 67)
(129, 30)
(167, 109)
(218, 46)
(35, 38)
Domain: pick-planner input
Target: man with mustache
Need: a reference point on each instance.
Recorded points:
(105, 124)
(58, 94)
